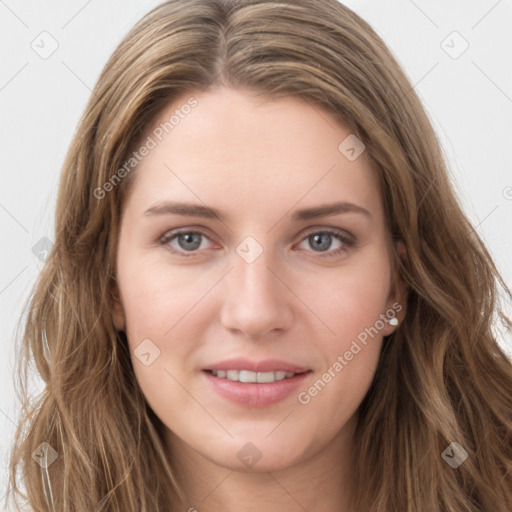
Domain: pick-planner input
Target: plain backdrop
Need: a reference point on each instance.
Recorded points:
(456, 53)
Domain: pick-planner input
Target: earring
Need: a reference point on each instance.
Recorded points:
(393, 321)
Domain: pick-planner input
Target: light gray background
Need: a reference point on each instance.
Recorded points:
(469, 100)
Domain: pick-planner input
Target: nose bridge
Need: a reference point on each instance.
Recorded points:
(252, 273)
(257, 301)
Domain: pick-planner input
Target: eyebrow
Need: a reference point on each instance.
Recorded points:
(196, 210)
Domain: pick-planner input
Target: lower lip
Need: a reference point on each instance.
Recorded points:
(254, 394)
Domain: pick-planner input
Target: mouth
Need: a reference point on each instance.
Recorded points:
(252, 389)
(248, 376)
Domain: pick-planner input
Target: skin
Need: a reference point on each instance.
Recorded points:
(257, 161)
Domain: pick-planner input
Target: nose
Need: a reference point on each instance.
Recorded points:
(257, 303)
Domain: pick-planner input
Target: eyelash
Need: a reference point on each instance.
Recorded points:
(347, 242)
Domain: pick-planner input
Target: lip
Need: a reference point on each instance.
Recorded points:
(266, 365)
(255, 395)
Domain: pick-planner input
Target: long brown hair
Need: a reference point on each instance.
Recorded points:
(442, 377)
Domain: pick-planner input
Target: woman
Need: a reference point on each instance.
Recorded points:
(260, 367)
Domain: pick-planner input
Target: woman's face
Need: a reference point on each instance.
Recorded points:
(272, 286)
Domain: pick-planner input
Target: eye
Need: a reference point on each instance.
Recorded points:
(191, 241)
(188, 241)
(323, 240)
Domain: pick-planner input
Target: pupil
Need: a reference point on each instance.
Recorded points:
(318, 236)
(189, 238)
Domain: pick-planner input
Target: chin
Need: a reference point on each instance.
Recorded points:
(257, 454)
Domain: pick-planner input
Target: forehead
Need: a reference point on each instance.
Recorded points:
(240, 152)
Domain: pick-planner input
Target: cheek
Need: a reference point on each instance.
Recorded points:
(350, 298)
(350, 304)
(161, 331)
(349, 359)
(154, 298)
(165, 315)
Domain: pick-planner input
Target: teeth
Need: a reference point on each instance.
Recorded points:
(232, 375)
(248, 376)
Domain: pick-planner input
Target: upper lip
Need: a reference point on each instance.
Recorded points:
(266, 365)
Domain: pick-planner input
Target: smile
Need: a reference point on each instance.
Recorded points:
(249, 376)
(255, 389)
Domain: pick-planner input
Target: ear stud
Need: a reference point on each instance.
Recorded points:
(393, 321)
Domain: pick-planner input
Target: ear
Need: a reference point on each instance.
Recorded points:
(397, 300)
(118, 316)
